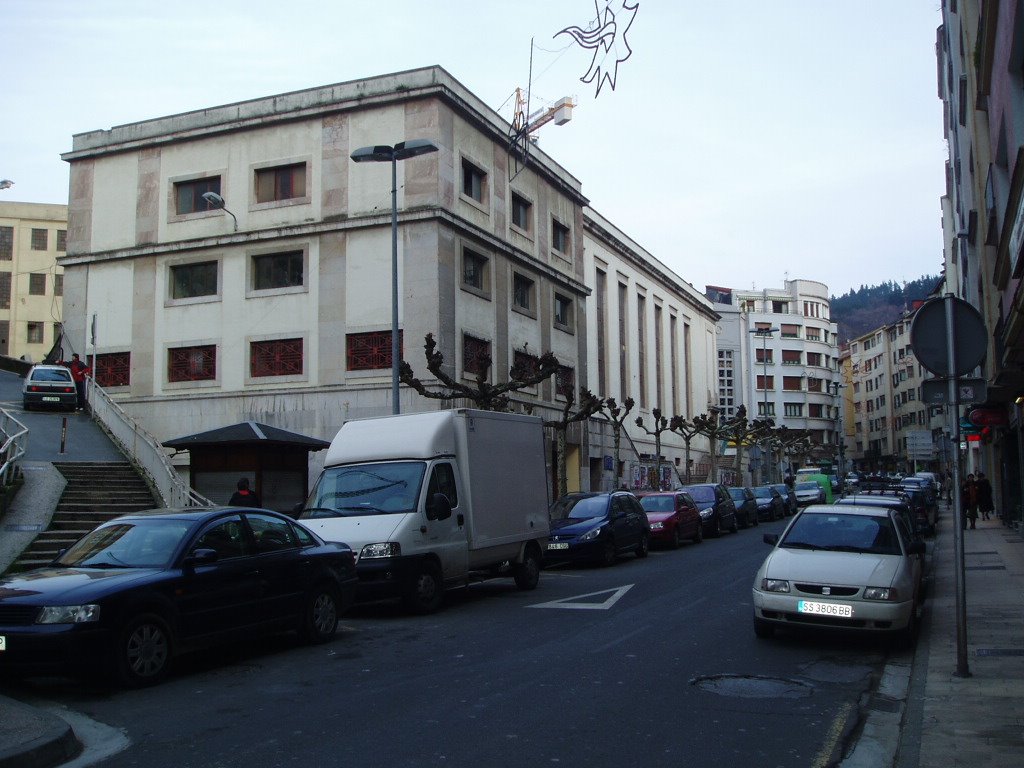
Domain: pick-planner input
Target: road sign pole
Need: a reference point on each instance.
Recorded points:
(959, 520)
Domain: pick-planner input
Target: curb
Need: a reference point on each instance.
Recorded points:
(879, 738)
(51, 740)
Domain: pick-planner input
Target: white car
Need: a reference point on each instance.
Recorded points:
(49, 386)
(850, 567)
(809, 492)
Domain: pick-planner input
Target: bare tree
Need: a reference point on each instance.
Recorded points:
(686, 430)
(616, 416)
(483, 394)
(588, 406)
(743, 432)
(661, 424)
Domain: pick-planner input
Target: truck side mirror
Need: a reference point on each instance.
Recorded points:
(438, 507)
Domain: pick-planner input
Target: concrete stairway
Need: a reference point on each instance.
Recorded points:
(95, 492)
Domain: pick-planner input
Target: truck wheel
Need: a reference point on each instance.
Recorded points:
(424, 592)
(320, 615)
(527, 573)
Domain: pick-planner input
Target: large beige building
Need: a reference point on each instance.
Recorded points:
(32, 236)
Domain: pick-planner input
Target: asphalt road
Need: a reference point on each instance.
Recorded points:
(648, 663)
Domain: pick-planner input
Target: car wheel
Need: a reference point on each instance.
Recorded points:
(608, 553)
(734, 528)
(699, 536)
(644, 546)
(143, 653)
(906, 638)
(677, 539)
(424, 592)
(320, 615)
(756, 520)
(763, 629)
(527, 573)
(718, 527)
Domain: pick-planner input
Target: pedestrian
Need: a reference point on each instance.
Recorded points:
(947, 487)
(244, 497)
(969, 501)
(79, 372)
(985, 505)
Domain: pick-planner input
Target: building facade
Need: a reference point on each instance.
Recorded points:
(32, 237)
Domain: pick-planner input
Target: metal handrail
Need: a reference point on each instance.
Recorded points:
(13, 448)
(143, 450)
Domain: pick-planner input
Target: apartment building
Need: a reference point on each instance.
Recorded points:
(234, 264)
(32, 237)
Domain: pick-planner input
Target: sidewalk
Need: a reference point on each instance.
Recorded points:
(923, 714)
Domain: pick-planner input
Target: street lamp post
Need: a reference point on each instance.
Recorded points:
(383, 153)
(764, 333)
(835, 386)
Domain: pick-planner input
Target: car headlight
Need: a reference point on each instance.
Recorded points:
(880, 593)
(657, 526)
(774, 585)
(381, 549)
(68, 614)
(591, 535)
(706, 513)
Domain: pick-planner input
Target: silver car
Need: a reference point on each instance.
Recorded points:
(49, 385)
(850, 567)
(809, 492)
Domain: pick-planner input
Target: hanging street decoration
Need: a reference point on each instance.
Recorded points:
(606, 37)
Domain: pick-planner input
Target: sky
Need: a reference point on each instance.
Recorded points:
(743, 143)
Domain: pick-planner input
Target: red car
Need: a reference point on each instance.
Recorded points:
(673, 516)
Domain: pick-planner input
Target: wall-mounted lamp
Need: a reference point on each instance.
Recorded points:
(216, 201)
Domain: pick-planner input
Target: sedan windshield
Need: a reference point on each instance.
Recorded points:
(658, 503)
(763, 493)
(737, 494)
(134, 544)
(701, 492)
(843, 533)
(368, 489)
(807, 486)
(580, 507)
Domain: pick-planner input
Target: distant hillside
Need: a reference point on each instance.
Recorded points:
(870, 306)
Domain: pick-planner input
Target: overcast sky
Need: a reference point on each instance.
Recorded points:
(745, 141)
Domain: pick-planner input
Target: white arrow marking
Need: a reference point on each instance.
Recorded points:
(571, 604)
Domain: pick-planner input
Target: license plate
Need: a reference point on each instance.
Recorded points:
(50, 399)
(558, 545)
(825, 609)
(3, 643)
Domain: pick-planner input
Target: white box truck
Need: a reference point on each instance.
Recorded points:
(425, 499)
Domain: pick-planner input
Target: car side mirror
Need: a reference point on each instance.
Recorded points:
(202, 556)
(916, 547)
(438, 507)
(771, 538)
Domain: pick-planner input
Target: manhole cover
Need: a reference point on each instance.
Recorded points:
(753, 686)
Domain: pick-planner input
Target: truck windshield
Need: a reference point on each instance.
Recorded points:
(367, 489)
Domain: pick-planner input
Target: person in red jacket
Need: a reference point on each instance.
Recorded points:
(79, 371)
(243, 497)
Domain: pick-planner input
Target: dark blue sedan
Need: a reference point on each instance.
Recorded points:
(142, 588)
(597, 527)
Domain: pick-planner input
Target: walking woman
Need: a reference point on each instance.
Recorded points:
(985, 505)
(969, 500)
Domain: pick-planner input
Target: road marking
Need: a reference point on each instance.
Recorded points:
(580, 603)
(835, 732)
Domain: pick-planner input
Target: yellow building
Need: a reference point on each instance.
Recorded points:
(32, 235)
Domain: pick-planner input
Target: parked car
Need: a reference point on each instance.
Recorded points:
(673, 517)
(141, 589)
(809, 492)
(717, 509)
(914, 497)
(902, 509)
(597, 527)
(770, 504)
(746, 505)
(847, 567)
(49, 386)
(789, 496)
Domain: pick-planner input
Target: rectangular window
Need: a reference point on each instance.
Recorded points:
(766, 409)
(192, 363)
(6, 243)
(814, 358)
(35, 333)
(816, 411)
(278, 270)
(282, 182)
(113, 369)
(763, 356)
(813, 334)
(37, 284)
(5, 290)
(814, 385)
(793, 409)
(474, 181)
(560, 237)
(40, 239)
(791, 357)
(522, 213)
(791, 383)
(62, 240)
(641, 348)
(476, 356)
(563, 312)
(370, 351)
(761, 382)
(524, 364)
(601, 310)
(189, 281)
(790, 331)
(623, 344)
(522, 292)
(474, 270)
(277, 357)
(780, 308)
(673, 334)
(188, 195)
(658, 369)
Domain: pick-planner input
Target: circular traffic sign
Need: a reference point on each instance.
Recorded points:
(929, 336)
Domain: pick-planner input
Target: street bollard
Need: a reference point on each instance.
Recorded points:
(63, 433)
